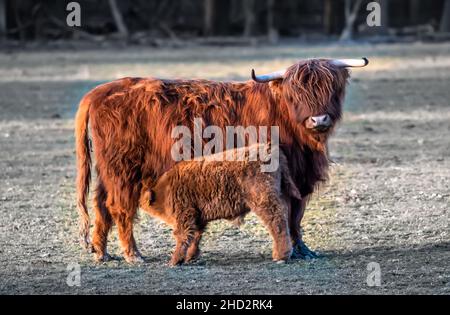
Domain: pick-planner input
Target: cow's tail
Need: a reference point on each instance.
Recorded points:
(83, 168)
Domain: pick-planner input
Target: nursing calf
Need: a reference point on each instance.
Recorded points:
(193, 193)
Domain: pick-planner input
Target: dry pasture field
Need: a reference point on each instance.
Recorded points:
(387, 200)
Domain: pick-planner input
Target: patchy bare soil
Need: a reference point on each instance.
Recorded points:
(387, 201)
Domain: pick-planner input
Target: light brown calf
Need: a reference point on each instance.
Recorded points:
(193, 193)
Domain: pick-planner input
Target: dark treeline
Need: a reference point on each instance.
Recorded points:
(141, 20)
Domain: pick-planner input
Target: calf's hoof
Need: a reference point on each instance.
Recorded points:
(280, 261)
(176, 260)
(192, 256)
(175, 264)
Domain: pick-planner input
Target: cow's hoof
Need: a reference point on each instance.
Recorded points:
(134, 259)
(301, 251)
(280, 261)
(85, 244)
(101, 258)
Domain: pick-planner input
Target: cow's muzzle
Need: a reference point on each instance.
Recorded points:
(319, 123)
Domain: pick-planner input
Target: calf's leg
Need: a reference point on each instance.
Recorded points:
(193, 251)
(185, 231)
(274, 214)
(182, 243)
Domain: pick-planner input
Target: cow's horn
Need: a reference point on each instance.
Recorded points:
(268, 77)
(350, 62)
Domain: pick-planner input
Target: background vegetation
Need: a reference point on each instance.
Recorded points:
(221, 21)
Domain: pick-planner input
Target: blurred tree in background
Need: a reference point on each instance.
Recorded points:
(153, 21)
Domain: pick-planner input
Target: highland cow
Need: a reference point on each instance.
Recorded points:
(131, 121)
(193, 193)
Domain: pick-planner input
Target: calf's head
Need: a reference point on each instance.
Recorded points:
(313, 92)
(156, 200)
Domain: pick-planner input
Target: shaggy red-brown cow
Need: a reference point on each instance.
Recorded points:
(131, 121)
(193, 193)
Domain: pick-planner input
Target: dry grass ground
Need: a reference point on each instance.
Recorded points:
(387, 200)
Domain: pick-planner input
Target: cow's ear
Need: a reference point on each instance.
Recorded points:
(275, 84)
(276, 88)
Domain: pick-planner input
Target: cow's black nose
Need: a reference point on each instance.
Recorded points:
(319, 122)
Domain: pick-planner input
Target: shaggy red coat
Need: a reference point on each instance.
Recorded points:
(131, 121)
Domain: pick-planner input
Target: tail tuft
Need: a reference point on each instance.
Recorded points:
(83, 168)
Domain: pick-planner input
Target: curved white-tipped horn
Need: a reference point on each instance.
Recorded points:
(350, 62)
(268, 77)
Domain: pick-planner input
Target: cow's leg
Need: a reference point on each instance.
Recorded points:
(123, 218)
(301, 251)
(193, 251)
(184, 234)
(102, 224)
(124, 222)
(274, 214)
(296, 215)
